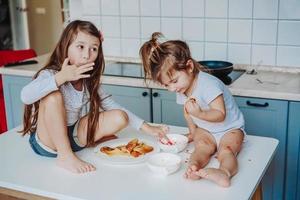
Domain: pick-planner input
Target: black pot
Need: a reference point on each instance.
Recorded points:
(217, 68)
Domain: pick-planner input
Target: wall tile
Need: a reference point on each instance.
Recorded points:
(264, 55)
(216, 8)
(171, 28)
(289, 9)
(197, 50)
(130, 7)
(216, 30)
(238, 53)
(289, 33)
(149, 25)
(193, 29)
(215, 51)
(240, 8)
(240, 31)
(171, 8)
(91, 7)
(112, 47)
(111, 26)
(130, 27)
(264, 31)
(130, 47)
(150, 8)
(193, 8)
(288, 56)
(75, 9)
(265, 9)
(110, 7)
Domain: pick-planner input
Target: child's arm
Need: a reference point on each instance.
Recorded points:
(216, 113)
(190, 124)
(48, 81)
(43, 85)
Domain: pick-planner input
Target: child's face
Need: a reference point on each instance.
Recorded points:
(180, 81)
(84, 49)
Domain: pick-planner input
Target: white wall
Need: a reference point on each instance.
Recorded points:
(240, 31)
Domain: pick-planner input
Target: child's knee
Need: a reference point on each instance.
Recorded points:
(225, 150)
(206, 144)
(121, 118)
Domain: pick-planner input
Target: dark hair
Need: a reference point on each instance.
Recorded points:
(166, 56)
(92, 84)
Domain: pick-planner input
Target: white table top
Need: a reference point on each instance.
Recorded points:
(21, 169)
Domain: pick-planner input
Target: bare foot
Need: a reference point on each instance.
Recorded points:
(190, 172)
(74, 164)
(216, 175)
(193, 167)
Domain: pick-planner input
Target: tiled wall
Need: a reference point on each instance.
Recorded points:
(265, 32)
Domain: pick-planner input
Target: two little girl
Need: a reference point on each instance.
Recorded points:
(59, 123)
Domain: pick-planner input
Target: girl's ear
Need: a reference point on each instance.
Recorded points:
(190, 65)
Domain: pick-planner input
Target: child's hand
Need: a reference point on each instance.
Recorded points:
(159, 131)
(71, 72)
(192, 108)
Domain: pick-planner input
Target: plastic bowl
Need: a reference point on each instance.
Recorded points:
(164, 163)
(179, 143)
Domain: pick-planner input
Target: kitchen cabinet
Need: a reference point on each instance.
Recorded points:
(153, 105)
(136, 100)
(265, 117)
(165, 108)
(292, 182)
(12, 86)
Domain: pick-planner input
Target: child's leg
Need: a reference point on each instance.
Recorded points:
(205, 147)
(230, 145)
(110, 122)
(52, 131)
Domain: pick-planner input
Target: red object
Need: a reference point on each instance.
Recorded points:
(10, 56)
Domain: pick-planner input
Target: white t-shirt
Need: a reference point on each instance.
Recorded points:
(206, 90)
(76, 102)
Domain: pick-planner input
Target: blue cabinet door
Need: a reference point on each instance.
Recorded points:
(165, 108)
(292, 182)
(268, 118)
(136, 100)
(12, 86)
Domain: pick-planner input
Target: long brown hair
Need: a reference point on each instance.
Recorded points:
(165, 56)
(92, 84)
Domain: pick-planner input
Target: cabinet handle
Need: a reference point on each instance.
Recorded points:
(155, 94)
(257, 104)
(145, 94)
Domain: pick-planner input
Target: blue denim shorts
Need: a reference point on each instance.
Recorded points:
(43, 150)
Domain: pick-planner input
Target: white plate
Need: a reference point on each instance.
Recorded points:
(124, 160)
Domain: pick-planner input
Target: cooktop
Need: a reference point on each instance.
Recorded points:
(135, 70)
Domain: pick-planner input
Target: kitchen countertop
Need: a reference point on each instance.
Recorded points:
(269, 82)
(22, 170)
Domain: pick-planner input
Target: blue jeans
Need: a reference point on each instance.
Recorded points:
(40, 150)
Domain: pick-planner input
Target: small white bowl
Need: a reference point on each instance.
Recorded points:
(164, 163)
(180, 142)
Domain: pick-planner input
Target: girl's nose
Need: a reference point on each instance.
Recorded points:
(86, 55)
